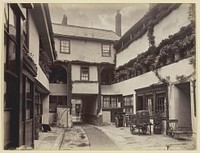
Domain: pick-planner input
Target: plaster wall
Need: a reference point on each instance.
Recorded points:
(172, 23)
(84, 50)
(58, 89)
(84, 88)
(33, 40)
(136, 47)
(76, 70)
(41, 77)
(45, 116)
(7, 117)
(34, 49)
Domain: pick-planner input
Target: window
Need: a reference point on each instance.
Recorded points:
(128, 104)
(160, 106)
(85, 73)
(128, 110)
(38, 103)
(54, 101)
(10, 39)
(113, 101)
(128, 101)
(149, 104)
(29, 99)
(106, 50)
(106, 101)
(65, 46)
(109, 101)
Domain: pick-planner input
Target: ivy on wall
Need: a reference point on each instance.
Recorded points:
(45, 62)
(155, 15)
(174, 48)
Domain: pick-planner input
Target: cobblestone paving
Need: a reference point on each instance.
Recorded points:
(98, 139)
(75, 139)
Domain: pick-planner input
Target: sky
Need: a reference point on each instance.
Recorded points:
(98, 15)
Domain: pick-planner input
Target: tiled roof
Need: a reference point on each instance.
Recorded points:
(84, 32)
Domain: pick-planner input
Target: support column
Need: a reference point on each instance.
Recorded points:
(99, 115)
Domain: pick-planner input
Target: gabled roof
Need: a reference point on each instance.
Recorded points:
(83, 32)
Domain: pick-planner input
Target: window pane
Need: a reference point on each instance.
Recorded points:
(105, 50)
(113, 102)
(128, 101)
(84, 73)
(12, 56)
(65, 47)
(12, 24)
(106, 101)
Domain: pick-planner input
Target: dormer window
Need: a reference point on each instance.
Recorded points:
(65, 46)
(106, 50)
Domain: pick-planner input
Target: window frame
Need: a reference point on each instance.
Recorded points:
(161, 104)
(108, 99)
(81, 72)
(9, 38)
(69, 47)
(103, 53)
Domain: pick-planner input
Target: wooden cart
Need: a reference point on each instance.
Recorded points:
(141, 122)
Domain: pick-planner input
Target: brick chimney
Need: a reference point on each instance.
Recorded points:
(64, 20)
(118, 23)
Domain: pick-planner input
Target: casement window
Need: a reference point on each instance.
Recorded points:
(128, 101)
(29, 98)
(84, 73)
(149, 104)
(128, 104)
(110, 101)
(65, 46)
(113, 101)
(106, 50)
(160, 104)
(38, 103)
(10, 38)
(106, 101)
(54, 101)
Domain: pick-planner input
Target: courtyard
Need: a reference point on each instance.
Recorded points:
(86, 137)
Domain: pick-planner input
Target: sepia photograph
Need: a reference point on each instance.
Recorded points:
(99, 77)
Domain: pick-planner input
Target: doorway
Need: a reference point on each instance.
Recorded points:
(27, 113)
(76, 110)
(183, 107)
(139, 103)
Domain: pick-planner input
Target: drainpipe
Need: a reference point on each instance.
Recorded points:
(167, 107)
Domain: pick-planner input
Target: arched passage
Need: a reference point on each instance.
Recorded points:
(107, 76)
(59, 103)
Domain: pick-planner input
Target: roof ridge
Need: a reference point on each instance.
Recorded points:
(84, 27)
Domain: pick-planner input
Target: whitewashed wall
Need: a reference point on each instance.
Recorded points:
(76, 69)
(33, 40)
(139, 46)
(84, 51)
(172, 23)
(85, 88)
(58, 89)
(127, 87)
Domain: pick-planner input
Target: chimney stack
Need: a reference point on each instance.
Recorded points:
(64, 20)
(118, 23)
